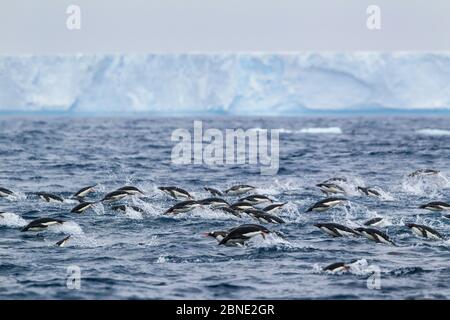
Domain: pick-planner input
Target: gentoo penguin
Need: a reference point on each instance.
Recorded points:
(83, 192)
(255, 199)
(214, 192)
(62, 242)
(123, 208)
(369, 192)
(326, 204)
(263, 217)
(374, 222)
(424, 231)
(337, 267)
(272, 208)
(375, 235)
(131, 190)
(41, 224)
(239, 189)
(183, 206)
(424, 172)
(176, 193)
(336, 230)
(231, 211)
(218, 235)
(5, 192)
(243, 233)
(241, 206)
(330, 188)
(214, 202)
(48, 197)
(436, 206)
(114, 196)
(82, 207)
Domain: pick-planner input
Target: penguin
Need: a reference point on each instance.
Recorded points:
(83, 206)
(255, 199)
(131, 190)
(241, 206)
(447, 216)
(336, 230)
(214, 192)
(62, 242)
(326, 204)
(239, 189)
(436, 206)
(337, 267)
(231, 211)
(424, 231)
(218, 235)
(375, 235)
(214, 202)
(424, 172)
(272, 208)
(83, 192)
(374, 222)
(41, 224)
(176, 193)
(5, 192)
(48, 197)
(330, 188)
(263, 217)
(123, 208)
(243, 233)
(369, 191)
(184, 206)
(115, 196)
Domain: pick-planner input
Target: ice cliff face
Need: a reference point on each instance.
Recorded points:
(253, 84)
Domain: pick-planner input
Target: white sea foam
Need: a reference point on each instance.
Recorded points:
(10, 219)
(433, 132)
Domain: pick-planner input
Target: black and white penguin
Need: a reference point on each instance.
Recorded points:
(424, 231)
(241, 206)
(123, 208)
(131, 190)
(326, 204)
(375, 235)
(263, 217)
(80, 208)
(243, 233)
(218, 235)
(337, 267)
(239, 189)
(231, 211)
(424, 172)
(369, 192)
(83, 192)
(274, 207)
(330, 188)
(115, 196)
(176, 193)
(5, 192)
(336, 230)
(184, 206)
(374, 222)
(62, 242)
(48, 197)
(436, 206)
(41, 224)
(255, 199)
(214, 202)
(214, 192)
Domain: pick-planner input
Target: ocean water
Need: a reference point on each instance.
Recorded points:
(151, 256)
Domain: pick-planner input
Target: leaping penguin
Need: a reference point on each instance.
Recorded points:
(239, 189)
(337, 267)
(214, 192)
(424, 231)
(131, 190)
(330, 188)
(82, 207)
(336, 230)
(184, 206)
(49, 197)
(62, 242)
(424, 172)
(115, 196)
(41, 224)
(241, 206)
(255, 199)
(214, 202)
(326, 204)
(272, 208)
(244, 233)
(375, 235)
(263, 217)
(369, 192)
(374, 222)
(83, 192)
(176, 193)
(5, 192)
(436, 206)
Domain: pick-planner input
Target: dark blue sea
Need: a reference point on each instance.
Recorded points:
(146, 255)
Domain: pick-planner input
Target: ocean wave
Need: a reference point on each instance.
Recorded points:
(433, 132)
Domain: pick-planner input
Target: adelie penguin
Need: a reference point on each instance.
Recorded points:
(263, 217)
(375, 235)
(231, 211)
(41, 224)
(255, 199)
(244, 233)
(49, 197)
(123, 208)
(326, 204)
(369, 192)
(131, 190)
(241, 206)
(239, 189)
(83, 192)
(80, 208)
(274, 207)
(424, 231)
(184, 206)
(336, 230)
(424, 172)
(176, 193)
(436, 206)
(62, 242)
(214, 192)
(330, 188)
(115, 196)
(5, 193)
(374, 222)
(214, 203)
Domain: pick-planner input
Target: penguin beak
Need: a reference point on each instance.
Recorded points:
(206, 234)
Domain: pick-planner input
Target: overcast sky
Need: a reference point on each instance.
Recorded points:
(30, 26)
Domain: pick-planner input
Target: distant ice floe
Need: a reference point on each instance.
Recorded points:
(433, 132)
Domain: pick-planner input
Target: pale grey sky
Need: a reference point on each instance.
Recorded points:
(30, 26)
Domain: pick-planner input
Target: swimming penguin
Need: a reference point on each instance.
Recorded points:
(214, 202)
(424, 231)
(263, 217)
(326, 204)
(375, 235)
(115, 196)
(241, 206)
(83, 192)
(62, 243)
(82, 207)
(337, 267)
(272, 208)
(330, 188)
(131, 190)
(424, 172)
(218, 235)
(41, 224)
(183, 206)
(48, 197)
(369, 192)
(374, 222)
(336, 230)
(176, 193)
(231, 211)
(123, 208)
(239, 189)
(255, 199)
(5, 192)
(214, 192)
(436, 206)
(243, 233)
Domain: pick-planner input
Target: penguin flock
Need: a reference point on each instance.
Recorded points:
(240, 201)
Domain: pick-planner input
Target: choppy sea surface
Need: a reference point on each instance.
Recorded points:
(147, 255)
